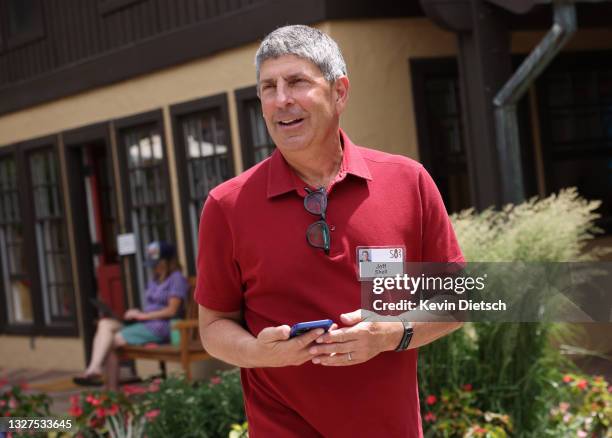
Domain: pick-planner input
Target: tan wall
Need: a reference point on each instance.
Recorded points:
(41, 353)
(381, 112)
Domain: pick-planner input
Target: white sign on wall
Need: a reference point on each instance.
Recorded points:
(126, 244)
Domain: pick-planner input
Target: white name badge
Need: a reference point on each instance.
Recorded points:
(380, 261)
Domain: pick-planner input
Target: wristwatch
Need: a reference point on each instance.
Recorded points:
(406, 337)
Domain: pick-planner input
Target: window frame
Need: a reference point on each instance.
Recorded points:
(177, 112)
(119, 127)
(242, 96)
(39, 327)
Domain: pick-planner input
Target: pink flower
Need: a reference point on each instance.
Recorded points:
(74, 400)
(2, 403)
(467, 387)
(153, 387)
(431, 400)
(567, 418)
(3, 382)
(430, 416)
(152, 414)
(101, 412)
(215, 380)
(567, 378)
(12, 403)
(133, 389)
(582, 434)
(610, 388)
(582, 384)
(563, 407)
(75, 411)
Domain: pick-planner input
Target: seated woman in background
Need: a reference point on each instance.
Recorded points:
(165, 295)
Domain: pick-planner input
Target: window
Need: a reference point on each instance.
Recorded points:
(13, 271)
(257, 144)
(50, 236)
(204, 158)
(25, 22)
(441, 148)
(576, 115)
(147, 200)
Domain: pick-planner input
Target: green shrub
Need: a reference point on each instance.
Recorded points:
(513, 365)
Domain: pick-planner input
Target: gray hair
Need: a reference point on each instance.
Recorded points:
(304, 42)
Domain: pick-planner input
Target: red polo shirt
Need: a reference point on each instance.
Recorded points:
(253, 255)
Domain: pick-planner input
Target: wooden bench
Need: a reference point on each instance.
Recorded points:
(189, 349)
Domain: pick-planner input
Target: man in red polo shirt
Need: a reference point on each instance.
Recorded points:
(279, 245)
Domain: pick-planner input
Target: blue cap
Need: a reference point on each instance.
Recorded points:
(157, 251)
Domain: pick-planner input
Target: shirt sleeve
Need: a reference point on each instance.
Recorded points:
(438, 237)
(218, 284)
(178, 286)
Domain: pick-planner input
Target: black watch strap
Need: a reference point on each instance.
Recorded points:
(406, 337)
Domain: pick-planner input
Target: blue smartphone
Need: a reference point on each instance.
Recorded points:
(302, 327)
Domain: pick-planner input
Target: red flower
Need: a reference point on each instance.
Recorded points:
(101, 412)
(153, 387)
(431, 400)
(610, 388)
(215, 380)
(467, 387)
(152, 414)
(2, 403)
(430, 416)
(3, 382)
(480, 430)
(133, 389)
(7, 414)
(75, 411)
(567, 378)
(582, 384)
(114, 409)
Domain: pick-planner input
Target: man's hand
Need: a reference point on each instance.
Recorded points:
(273, 348)
(363, 340)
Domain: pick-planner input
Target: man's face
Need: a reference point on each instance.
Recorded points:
(299, 106)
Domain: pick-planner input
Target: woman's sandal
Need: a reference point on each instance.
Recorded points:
(90, 380)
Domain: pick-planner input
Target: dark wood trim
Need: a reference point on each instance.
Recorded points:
(246, 144)
(218, 101)
(109, 6)
(25, 149)
(74, 141)
(120, 125)
(172, 48)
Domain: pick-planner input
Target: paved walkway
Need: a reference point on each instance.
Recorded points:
(57, 384)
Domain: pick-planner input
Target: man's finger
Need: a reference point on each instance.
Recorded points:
(340, 359)
(271, 334)
(340, 335)
(308, 337)
(351, 318)
(344, 347)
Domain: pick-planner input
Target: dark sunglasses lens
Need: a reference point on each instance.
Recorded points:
(315, 202)
(318, 235)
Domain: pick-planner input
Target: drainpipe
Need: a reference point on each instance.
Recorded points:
(506, 122)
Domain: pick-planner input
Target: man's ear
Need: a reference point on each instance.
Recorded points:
(341, 90)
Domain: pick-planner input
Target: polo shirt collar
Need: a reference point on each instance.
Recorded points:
(282, 179)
